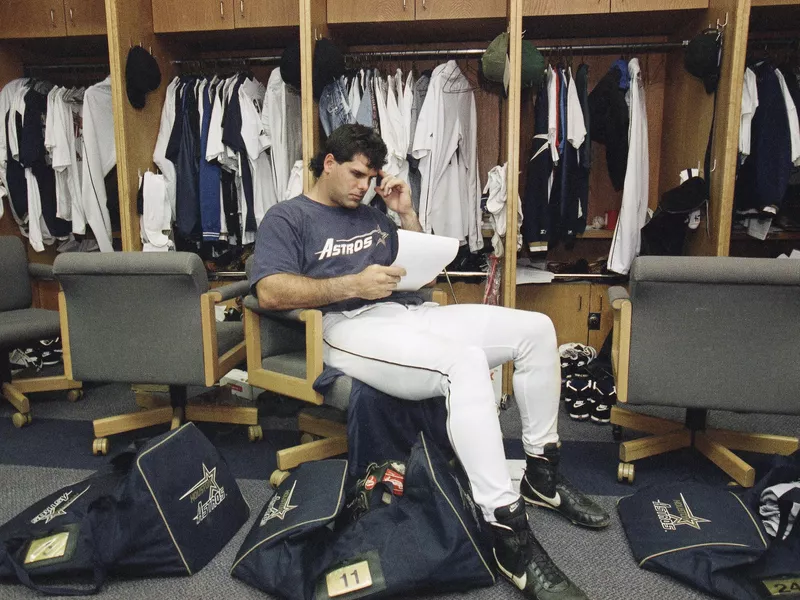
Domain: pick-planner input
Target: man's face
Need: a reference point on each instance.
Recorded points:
(348, 181)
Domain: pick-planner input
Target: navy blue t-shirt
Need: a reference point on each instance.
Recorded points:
(303, 237)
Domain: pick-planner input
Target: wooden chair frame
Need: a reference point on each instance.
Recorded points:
(15, 390)
(323, 437)
(667, 435)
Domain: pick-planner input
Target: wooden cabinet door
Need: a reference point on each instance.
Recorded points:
(192, 15)
(567, 304)
(618, 6)
(266, 13)
(377, 11)
(598, 303)
(32, 18)
(85, 17)
(460, 9)
(534, 8)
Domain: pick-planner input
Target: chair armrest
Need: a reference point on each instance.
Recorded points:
(40, 271)
(616, 294)
(302, 389)
(232, 290)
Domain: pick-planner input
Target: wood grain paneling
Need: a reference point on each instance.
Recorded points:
(313, 26)
(266, 13)
(129, 21)
(192, 15)
(460, 9)
(347, 11)
(564, 7)
(32, 18)
(618, 6)
(85, 17)
(567, 305)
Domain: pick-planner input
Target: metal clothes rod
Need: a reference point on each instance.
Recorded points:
(453, 52)
(66, 67)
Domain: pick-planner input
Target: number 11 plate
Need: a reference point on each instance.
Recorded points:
(348, 579)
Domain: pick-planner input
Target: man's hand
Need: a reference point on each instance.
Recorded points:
(395, 193)
(377, 281)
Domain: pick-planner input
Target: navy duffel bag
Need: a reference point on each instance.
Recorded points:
(421, 531)
(166, 509)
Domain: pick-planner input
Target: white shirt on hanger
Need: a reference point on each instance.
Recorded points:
(552, 113)
(251, 96)
(99, 157)
(7, 95)
(445, 142)
(627, 239)
(576, 126)
(749, 106)
(794, 125)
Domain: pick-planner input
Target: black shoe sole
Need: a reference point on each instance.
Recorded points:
(543, 504)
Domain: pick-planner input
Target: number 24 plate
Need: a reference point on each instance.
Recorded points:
(348, 579)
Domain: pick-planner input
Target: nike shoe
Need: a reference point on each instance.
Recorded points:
(605, 396)
(21, 359)
(523, 560)
(542, 485)
(579, 397)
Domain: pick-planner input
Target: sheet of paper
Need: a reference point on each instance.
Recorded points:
(532, 275)
(423, 256)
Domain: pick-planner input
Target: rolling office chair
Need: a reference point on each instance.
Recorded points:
(284, 355)
(150, 318)
(20, 324)
(706, 333)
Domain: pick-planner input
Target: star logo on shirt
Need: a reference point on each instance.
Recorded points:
(382, 237)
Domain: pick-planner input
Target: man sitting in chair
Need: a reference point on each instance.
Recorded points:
(327, 250)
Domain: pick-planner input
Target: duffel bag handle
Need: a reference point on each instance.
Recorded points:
(7, 557)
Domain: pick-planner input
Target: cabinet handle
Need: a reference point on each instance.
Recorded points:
(241, 7)
(221, 9)
(71, 18)
(580, 298)
(52, 18)
(424, 5)
(404, 4)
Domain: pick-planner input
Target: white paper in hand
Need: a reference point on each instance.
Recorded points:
(423, 256)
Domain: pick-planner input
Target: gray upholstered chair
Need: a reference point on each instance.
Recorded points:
(706, 333)
(284, 355)
(149, 318)
(21, 324)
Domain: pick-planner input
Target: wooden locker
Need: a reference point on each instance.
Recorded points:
(85, 17)
(379, 11)
(32, 18)
(565, 7)
(460, 9)
(618, 6)
(567, 304)
(266, 13)
(599, 304)
(192, 15)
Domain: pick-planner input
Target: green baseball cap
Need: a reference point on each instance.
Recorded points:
(494, 62)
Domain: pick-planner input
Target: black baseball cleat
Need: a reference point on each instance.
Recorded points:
(521, 558)
(543, 485)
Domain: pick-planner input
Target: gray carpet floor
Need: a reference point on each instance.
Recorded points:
(598, 561)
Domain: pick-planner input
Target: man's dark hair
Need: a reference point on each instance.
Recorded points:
(347, 141)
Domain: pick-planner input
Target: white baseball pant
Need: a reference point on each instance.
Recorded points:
(424, 351)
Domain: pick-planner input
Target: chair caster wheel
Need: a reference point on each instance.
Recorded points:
(278, 477)
(100, 446)
(21, 419)
(625, 472)
(74, 395)
(255, 433)
(616, 432)
(307, 438)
